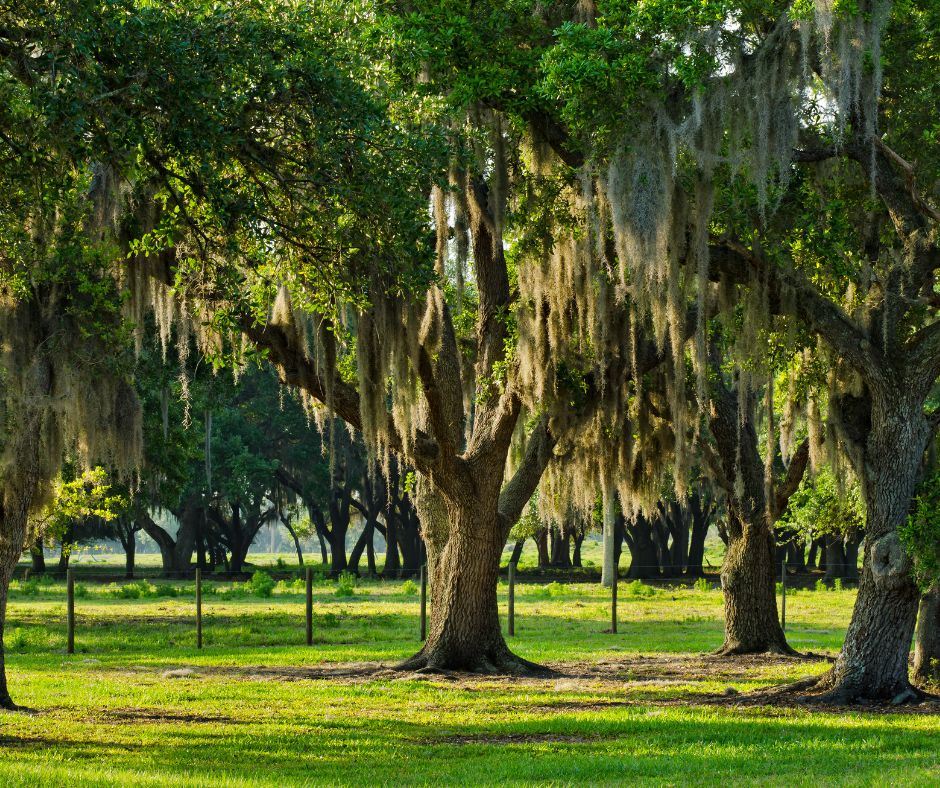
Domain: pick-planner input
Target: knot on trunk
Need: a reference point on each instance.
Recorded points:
(890, 563)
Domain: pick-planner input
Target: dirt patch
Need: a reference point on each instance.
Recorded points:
(616, 673)
(159, 716)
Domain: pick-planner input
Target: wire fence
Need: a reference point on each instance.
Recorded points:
(614, 582)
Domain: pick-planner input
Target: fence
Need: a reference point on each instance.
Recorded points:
(510, 606)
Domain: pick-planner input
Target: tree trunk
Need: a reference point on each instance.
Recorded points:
(578, 540)
(130, 551)
(927, 639)
(700, 524)
(392, 566)
(465, 544)
(748, 579)
(293, 535)
(873, 663)
(541, 542)
(37, 558)
(517, 551)
(644, 560)
(835, 556)
(12, 539)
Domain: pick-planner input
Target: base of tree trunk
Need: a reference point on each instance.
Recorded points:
(749, 585)
(496, 660)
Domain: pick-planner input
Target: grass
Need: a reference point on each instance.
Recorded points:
(139, 705)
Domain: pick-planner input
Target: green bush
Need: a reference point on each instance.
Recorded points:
(345, 584)
(138, 590)
(81, 590)
(29, 587)
(262, 584)
(821, 585)
(702, 585)
(409, 587)
(167, 590)
(638, 588)
(234, 591)
(837, 584)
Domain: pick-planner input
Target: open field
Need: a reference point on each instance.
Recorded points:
(138, 704)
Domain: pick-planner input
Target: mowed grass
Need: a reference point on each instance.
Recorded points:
(138, 704)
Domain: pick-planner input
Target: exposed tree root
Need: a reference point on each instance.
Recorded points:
(739, 649)
(817, 691)
(495, 662)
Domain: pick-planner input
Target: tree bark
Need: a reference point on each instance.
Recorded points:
(37, 558)
(701, 513)
(130, 551)
(927, 639)
(464, 632)
(12, 539)
(748, 578)
(873, 663)
(644, 559)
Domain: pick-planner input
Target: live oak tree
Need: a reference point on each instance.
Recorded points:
(65, 391)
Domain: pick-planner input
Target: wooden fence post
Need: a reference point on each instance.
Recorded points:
(613, 602)
(198, 607)
(70, 611)
(309, 605)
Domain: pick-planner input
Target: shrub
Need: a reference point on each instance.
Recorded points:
(299, 584)
(345, 584)
(141, 588)
(81, 590)
(234, 591)
(779, 588)
(167, 590)
(262, 584)
(409, 587)
(837, 585)
(638, 588)
(30, 587)
(821, 585)
(702, 585)
(280, 563)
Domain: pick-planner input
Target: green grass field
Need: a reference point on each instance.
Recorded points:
(138, 704)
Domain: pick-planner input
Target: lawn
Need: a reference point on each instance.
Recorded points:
(139, 705)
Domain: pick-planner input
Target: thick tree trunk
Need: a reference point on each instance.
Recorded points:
(12, 538)
(873, 663)
(835, 556)
(748, 578)
(541, 543)
(392, 566)
(37, 558)
(644, 559)
(130, 551)
(927, 639)
(700, 523)
(465, 545)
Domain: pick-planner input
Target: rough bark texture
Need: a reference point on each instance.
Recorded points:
(873, 663)
(927, 639)
(749, 582)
